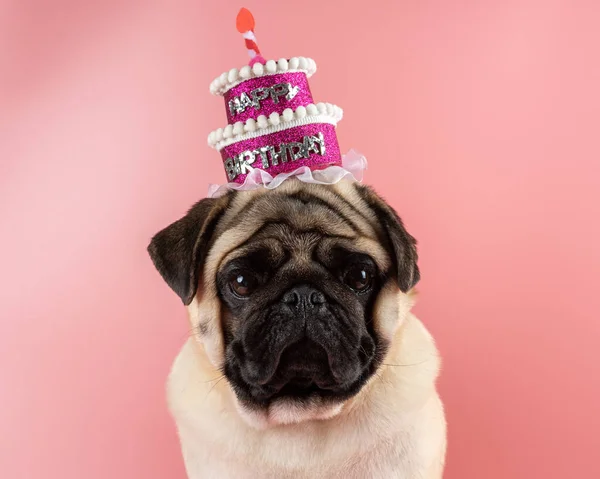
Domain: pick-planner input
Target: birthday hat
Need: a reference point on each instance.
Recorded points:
(275, 129)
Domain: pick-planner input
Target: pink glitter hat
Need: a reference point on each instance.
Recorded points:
(275, 129)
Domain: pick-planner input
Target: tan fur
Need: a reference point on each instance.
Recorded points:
(394, 427)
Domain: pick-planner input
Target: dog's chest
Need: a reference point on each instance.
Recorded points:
(376, 465)
(389, 459)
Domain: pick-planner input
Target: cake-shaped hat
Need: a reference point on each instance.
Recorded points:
(275, 128)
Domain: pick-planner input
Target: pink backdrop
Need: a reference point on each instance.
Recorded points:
(489, 147)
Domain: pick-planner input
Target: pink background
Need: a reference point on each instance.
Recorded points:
(489, 148)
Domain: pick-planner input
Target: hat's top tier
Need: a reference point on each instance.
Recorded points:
(261, 89)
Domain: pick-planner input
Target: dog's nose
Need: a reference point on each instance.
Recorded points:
(304, 297)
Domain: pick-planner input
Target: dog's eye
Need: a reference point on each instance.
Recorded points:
(243, 284)
(358, 278)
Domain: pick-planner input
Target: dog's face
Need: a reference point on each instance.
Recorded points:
(297, 313)
(295, 292)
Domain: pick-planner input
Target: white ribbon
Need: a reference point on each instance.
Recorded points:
(353, 166)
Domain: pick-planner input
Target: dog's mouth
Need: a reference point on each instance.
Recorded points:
(306, 386)
(303, 371)
(296, 387)
(301, 399)
(303, 388)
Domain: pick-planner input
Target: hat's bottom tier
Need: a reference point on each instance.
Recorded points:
(308, 142)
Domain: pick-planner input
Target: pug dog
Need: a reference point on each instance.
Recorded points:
(304, 359)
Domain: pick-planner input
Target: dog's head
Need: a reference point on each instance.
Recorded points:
(295, 292)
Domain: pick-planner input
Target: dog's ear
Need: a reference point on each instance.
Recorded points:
(400, 243)
(179, 250)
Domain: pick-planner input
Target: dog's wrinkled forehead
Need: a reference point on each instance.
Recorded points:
(303, 207)
(300, 220)
(296, 217)
(276, 243)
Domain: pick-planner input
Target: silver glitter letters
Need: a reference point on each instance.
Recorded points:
(230, 169)
(258, 95)
(282, 154)
(243, 164)
(240, 104)
(274, 155)
(263, 155)
(314, 141)
(281, 89)
(292, 91)
(245, 101)
(234, 106)
(302, 151)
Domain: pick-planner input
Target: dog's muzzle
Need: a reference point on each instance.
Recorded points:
(314, 347)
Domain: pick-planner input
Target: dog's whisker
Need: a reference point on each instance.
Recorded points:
(190, 333)
(363, 351)
(211, 380)
(406, 365)
(213, 386)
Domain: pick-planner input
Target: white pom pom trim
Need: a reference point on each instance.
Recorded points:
(235, 76)
(223, 137)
